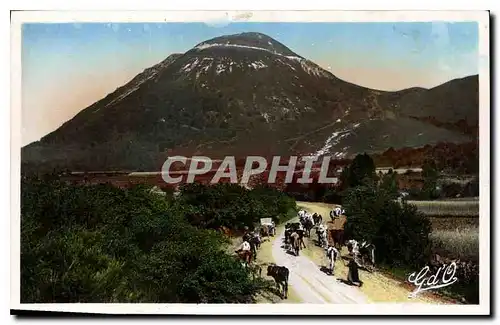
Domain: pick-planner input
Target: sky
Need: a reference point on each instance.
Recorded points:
(67, 67)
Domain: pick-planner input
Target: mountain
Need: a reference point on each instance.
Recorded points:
(248, 94)
(453, 105)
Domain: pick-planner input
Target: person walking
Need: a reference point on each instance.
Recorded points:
(353, 273)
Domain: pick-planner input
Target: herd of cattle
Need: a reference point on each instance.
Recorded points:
(361, 253)
(331, 240)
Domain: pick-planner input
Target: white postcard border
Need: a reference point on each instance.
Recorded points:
(482, 17)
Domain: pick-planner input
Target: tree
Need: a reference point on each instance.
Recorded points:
(360, 172)
(389, 184)
(399, 232)
(430, 175)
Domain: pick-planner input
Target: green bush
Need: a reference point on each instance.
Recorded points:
(399, 232)
(102, 244)
(232, 206)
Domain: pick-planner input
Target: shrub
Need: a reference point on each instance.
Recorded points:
(232, 206)
(106, 245)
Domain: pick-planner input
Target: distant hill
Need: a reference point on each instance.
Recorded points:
(249, 94)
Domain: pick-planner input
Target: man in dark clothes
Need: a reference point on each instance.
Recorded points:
(353, 274)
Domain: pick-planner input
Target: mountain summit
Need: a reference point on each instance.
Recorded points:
(251, 40)
(249, 94)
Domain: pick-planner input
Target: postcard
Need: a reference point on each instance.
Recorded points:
(265, 162)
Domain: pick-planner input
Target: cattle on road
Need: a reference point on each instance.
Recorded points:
(280, 275)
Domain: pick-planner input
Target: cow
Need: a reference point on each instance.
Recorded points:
(301, 232)
(321, 232)
(362, 251)
(353, 247)
(332, 254)
(336, 212)
(295, 242)
(317, 218)
(301, 213)
(367, 254)
(280, 274)
(337, 236)
(304, 216)
(308, 223)
(289, 229)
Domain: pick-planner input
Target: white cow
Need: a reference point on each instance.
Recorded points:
(367, 250)
(353, 247)
(363, 250)
(332, 254)
(335, 212)
(321, 232)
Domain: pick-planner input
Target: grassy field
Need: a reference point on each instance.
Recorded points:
(457, 243)
(448, 208)
(453, 223)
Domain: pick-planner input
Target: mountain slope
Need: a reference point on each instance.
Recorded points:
(248, 94)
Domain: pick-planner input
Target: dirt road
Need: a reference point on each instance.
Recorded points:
(309, 281)
(311, 284)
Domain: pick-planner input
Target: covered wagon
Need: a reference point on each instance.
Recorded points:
(268, 227)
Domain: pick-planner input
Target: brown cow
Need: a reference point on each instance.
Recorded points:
(337, 238)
